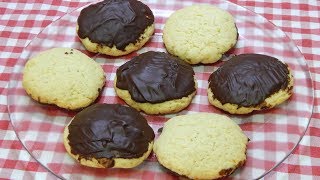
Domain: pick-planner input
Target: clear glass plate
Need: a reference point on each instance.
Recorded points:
(273, 133)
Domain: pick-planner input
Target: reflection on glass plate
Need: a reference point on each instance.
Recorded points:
(273, 133)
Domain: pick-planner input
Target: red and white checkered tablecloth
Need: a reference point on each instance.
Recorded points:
(22, 20)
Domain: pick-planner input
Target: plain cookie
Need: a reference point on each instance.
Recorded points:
(115, 27)
(200, 33)
(64, 77)
(201, 146)
(250, 82)
(109, 136)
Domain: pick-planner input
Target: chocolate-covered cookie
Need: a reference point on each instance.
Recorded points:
(249, 82)
(115, 27)
(109, 136)
(156, 83)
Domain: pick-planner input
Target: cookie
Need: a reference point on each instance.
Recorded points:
(156, 83)
(201, 146)
(115, 27)
(250, 82)
(200, 34)
(64, 77)
(109, 136)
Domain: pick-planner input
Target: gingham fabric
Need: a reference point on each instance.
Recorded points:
(20, 22)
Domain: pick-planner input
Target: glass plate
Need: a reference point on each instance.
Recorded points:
(273, 133)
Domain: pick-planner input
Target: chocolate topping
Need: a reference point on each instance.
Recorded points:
(156, 77)
(248, 79)
(115, 22)
(109, 131)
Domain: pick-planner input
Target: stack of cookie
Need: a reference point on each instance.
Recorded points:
(198, 146)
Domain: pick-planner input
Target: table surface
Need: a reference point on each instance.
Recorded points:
(21, 21)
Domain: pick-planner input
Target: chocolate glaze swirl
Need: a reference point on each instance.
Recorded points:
(114, 22)
(156, 77)
(248, 79)
(109, 131)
